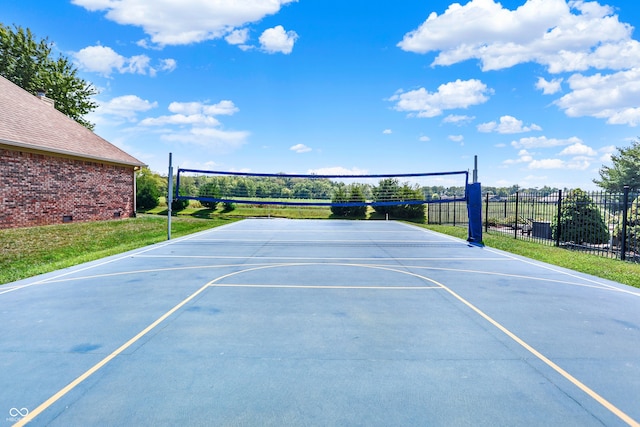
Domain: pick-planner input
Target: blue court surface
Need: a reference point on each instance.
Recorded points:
(269, 322)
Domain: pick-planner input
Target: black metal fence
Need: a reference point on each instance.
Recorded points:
(606, 224)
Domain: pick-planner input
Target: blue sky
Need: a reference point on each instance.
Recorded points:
(542, 91)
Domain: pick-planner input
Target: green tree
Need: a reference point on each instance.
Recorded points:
(349, 194)
(386, 191)
(624, 171)
(356, 195)
(633, 227)
(210, 189)
(580, 220)
(340, 195)
(147, 189)
(29, 63)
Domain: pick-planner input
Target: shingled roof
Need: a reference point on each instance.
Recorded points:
(28, 122)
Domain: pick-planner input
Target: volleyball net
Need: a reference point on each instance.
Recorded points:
(321, 190)
(397, 195)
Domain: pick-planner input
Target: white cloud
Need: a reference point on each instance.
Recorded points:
(606, 153)
(127, 106)
(218, 139)
(544, 142)
(300, 148)
(578, 149)
(523, 157)
(180, 119)
(177, 22)
(547, 164)
(452, 95)
(387, 131)
(104, 60)
(424, 139)
(168, 64)
(236, 37)
(508, 124)
(337, 170)
(563, 36)
(196, 123)
(457, 119)
(549, 87)
(613, 97)
(277, 40)
(456, 138)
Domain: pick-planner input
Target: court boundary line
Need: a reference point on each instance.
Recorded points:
(533, 262)
(213, 283)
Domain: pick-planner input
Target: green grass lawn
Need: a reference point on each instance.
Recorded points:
(30, 251)
(606, 268)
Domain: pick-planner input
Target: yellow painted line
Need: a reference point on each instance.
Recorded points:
(73, 384)
(591, 393)
(595, 396)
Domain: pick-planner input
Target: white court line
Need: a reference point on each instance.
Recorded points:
(323, 258)
(303, 241)
(125, 256)
(213, 283)
(393, 288)
(537, 264)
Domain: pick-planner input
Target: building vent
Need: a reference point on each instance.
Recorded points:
(42, 95)
(67, 218)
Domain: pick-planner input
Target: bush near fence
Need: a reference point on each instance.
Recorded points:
(602, 223)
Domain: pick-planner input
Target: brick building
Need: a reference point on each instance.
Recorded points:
(53, 170)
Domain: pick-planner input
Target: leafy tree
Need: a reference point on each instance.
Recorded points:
(386, 191)
(356, 195)
(351, 194)
(210, 189)
(29, 63)
(409, 211)
(624, 171)
(390, 190)
(340, 195)
(147, 189)
(580, 220)
(633, 227)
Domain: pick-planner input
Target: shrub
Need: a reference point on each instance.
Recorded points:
(633, 227)
(147, 192)
(210, 189)
(580, 221)
(179, 204)
(351, 194)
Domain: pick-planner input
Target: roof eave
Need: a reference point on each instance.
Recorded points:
(69, 153)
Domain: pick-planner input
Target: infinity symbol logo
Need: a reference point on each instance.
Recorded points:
(15, 412)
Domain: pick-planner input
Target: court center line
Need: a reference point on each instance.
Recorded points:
(591, 393)
(392, 288)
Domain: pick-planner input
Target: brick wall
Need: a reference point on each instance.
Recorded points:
(39, 189)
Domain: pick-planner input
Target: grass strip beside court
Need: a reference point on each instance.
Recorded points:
(605, 268)
(30, 251)
(27, 252)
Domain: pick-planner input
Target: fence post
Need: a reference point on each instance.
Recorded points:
(486, 214)
(625, 219)
(515, 234)
(454, 213)
(558, 215)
